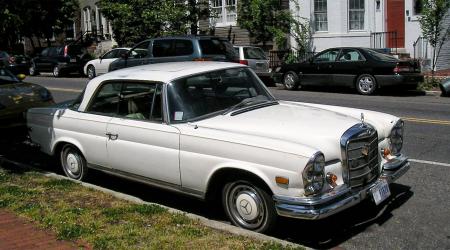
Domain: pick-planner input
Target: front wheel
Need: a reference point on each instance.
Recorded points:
(291, 80)
(56, 71)
(366, 84)
(73, 162)
(249, 206)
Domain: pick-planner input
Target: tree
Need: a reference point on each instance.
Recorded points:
(137, 20)
(432, 23)
(266, 21)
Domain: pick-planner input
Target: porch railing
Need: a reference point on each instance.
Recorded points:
(384, 40)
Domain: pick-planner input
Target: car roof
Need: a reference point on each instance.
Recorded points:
(166, 72)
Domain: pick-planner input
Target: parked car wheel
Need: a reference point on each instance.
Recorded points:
(56, 71)
(32, 70)
(73, 162)
(91, 71)
(249, 206)
(366, 84)
(291, 80)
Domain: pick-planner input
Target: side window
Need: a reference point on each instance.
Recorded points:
(141, 101)
(162, 48)
(183, 47)
(350, 55)
(110, 55)
(45, 52)
(329, 56)
(140, 51)
(106, 99)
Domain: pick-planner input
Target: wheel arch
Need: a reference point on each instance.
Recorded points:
(58, 145)
(221, 176)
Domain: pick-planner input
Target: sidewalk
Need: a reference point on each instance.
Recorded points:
(17, 233)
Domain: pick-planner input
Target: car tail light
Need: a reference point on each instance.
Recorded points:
(401, 68)
(66, 50)
(12, 60)
(201, 59)
(245, 62)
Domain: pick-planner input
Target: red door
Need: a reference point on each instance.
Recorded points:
(395, 23)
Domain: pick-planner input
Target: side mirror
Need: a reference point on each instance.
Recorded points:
(21, 77)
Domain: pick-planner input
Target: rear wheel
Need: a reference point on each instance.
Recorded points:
(73, 162)
(56, 71)
(91, 71)
(366, 84)
(291, 80)
(249, 206)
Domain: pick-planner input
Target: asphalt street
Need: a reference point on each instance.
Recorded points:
(416, 217)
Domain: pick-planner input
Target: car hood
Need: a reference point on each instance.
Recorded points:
(309, 127)
(19, 93)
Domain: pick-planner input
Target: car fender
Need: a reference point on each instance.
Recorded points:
(66, 140)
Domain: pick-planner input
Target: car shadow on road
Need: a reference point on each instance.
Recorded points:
(325, 233)
(387, 91)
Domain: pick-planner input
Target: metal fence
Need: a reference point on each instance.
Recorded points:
(383, 40)
(278, 57)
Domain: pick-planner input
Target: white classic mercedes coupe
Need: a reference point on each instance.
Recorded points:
(213, 130)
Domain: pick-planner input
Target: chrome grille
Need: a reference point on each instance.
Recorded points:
(361, 156)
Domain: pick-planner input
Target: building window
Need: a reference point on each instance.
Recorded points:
(418, 7)
(320, 15)
(224, 11)
(356, 13)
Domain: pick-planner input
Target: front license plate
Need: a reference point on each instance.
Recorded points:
(380, 192)
(73, 60)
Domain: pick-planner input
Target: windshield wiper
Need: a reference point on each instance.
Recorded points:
(248, 102)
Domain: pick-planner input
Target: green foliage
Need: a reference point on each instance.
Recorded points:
(432, 23)
(137, 20)
(40, 18)
(266, 20)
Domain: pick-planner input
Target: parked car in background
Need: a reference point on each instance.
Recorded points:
(212, 130)
(100, 66)
(17, 64)
(256, 59)
(60, 60)
(16, 97)
(176, 49)
(364, 69)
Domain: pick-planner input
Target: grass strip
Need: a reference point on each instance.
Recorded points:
(77, 213)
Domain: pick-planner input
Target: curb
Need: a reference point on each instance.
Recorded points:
(433, 93)
(205, 221)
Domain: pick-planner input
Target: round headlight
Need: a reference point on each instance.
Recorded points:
(313, 174)
(396, 138)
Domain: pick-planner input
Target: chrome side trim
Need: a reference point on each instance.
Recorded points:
(150, 181)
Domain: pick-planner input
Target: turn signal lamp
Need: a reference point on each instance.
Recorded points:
(282, 180)
(245, 62)
(201, 59)
(332, 179)
(386, 152)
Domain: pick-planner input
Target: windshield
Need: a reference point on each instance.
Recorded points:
(6, 77)
(254, 53)
(380, 56)
(213, 93)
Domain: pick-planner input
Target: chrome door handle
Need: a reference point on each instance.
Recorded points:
(112, 136)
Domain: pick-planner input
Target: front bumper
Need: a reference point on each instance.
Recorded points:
(340, 198)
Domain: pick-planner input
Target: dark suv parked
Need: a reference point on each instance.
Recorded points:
(178, 48)
(60, 60)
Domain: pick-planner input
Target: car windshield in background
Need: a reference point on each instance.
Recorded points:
(381, 56)
(7, 77)
(217, 47)
(212, 93)
(254, 53)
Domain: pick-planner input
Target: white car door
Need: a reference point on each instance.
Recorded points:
(139, 143)
(102, 65)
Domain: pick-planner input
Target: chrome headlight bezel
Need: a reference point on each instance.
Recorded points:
(396, 137)
(313, 174)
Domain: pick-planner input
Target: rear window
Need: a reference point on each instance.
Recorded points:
(217, 47)
(254, 53)
(74, 50)
(380, 56)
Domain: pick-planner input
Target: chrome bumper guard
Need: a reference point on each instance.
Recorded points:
(339, 199)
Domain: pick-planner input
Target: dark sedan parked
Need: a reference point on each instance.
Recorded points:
(17, 64)
(360, 68)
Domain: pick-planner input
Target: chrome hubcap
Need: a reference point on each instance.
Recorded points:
(31, 70)
(73, 164)
(246, 206)
(289, 81)
(55, 71)
(366, 84)
(90, 72)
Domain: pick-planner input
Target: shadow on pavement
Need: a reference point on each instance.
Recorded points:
(326, 233)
